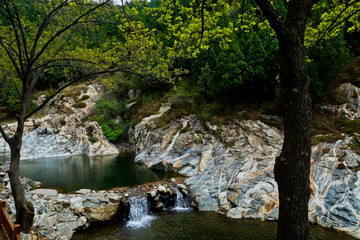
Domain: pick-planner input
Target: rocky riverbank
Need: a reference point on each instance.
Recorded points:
(58, 216)
(230, 168)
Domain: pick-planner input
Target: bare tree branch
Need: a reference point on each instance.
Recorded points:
(8, 45)
(5, 136)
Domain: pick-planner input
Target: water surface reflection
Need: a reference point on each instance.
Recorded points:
(98, 173)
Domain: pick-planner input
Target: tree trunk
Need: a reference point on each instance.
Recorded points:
(292, 167)
(24, 208)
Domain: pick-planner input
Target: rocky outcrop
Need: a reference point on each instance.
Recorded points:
(335, 198)
(350, 109)
(58, 216)
(64, 129)
(230, 169)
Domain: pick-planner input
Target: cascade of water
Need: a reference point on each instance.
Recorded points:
(139, 216)
(180, 203)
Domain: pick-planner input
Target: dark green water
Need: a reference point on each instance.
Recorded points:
(98, 173)
(199, 226)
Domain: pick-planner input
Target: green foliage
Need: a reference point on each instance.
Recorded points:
(247, 68)
(93, 139)
(113, 130)
(222, 71)
(107, 111)
(327, 59)
(109, 108)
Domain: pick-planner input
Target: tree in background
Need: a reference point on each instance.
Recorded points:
(289, 21)
(36, 38)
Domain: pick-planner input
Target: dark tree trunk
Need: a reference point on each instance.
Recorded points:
(292, 167)
(24, 208)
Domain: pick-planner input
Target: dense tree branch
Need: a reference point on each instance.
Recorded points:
(16, 87)
(272, 16)
(66, 28)
(24, 42)
(202, 20)
(332, 26)
(242, 11)
(11, 58)
(45, 65)
(8, 45)
(18, 42)
(43, 26)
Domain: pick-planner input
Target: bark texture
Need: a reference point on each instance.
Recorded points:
(24, 208)
(292, 167)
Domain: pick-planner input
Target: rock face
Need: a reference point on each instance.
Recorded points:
(230, 169)
(351, 109)
(335, 198)
(64, 129)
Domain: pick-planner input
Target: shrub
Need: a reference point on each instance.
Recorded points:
(79, 105)
(107, 110)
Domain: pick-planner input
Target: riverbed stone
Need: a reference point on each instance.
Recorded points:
(83, 191)
(76, 203)
(42, 191)
(162, 189)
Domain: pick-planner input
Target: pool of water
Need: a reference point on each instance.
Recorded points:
(98, 173)
(198, 226)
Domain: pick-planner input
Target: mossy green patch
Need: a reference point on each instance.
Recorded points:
(230, 144)
(79, 105)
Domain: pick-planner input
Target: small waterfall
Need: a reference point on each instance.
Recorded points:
(139, 216)
(180, 203)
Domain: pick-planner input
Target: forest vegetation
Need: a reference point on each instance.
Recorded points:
(212, 58)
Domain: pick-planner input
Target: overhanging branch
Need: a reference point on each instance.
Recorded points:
(272, 16)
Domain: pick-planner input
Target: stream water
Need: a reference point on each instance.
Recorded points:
(68, 174)
(171, 225)
(179, 223)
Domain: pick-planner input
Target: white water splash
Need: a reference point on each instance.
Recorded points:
(180, 203)
(139, 217)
